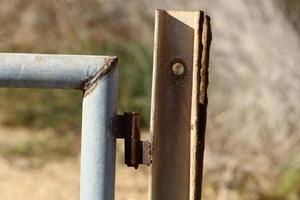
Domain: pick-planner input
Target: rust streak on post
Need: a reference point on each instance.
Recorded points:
(206, 41)
(200, 110)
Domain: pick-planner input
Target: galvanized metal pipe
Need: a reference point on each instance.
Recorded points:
(49, 70)
(98, 142)
(97, 78)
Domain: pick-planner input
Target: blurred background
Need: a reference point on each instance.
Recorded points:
(253, 130)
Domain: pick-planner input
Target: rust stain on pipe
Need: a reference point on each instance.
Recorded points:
(88, 85)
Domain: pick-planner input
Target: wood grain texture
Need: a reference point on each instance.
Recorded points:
(175, 106)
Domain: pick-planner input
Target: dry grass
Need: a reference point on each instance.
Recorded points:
(59, 180)
(38, 176)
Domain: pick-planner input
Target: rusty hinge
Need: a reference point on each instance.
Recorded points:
(136, 151)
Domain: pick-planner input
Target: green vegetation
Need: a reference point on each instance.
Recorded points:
(291, 9)
(61, 109)
(289, 184)
(135, 69)
(288, 187)
(40, 109)
(42, 146)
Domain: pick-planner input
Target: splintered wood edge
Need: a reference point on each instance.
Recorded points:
(202, 43)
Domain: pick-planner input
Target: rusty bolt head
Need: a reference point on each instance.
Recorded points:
(178, 69)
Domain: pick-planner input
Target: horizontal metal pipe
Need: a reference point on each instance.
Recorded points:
(53, 71)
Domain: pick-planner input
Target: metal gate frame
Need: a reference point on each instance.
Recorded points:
(97, 77)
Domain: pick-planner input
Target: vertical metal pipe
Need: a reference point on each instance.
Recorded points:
(97, 178)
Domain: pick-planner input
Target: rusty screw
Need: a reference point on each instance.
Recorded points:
(178, 68)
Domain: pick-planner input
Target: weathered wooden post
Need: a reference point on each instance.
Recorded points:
(179, 100)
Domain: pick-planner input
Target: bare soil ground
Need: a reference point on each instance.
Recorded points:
(43, 165)
(57, 179)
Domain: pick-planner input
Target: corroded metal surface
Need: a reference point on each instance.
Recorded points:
(91, 82)
(199, 106)
(137, 152)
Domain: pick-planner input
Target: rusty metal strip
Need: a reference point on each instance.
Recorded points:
(199, 106)
(137, 152)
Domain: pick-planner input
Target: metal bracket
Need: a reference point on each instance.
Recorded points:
(136, 151)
